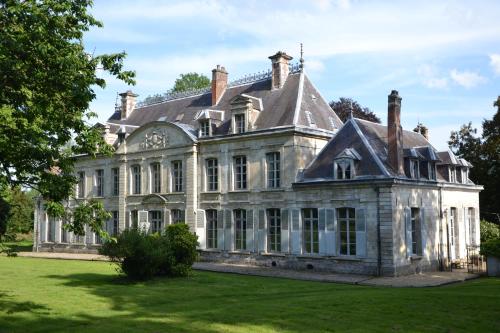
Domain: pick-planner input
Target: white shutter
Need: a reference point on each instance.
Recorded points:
(360, 232)
(228, 239)
(330, 231)
(423, 231)
(168, 217)
(220, 230)
(322, 231)
(284, 230)
(407, 219)
(296, 231)
(143, 216)
(200, 228)
(43, 229)
(262, 231)
(249, 231)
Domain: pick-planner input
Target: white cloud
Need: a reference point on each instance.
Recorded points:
(495, 63)
(467, 79)
(430, 78)
(314, 65)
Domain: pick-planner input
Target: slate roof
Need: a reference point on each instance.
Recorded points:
(369, 140)
(279, 107)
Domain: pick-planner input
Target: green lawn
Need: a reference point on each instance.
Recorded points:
(39, 295)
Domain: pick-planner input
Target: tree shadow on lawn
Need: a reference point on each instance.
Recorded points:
(212, 302)
(10, 306)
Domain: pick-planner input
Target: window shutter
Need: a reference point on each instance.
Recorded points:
(330, 231)
(295, 231)
(321, 231)
(127, 219)
(220, 230)
(262, 231)
(423, 233)
(227, 230)
(200, 228)
(466, 228)
(43, 228)
(360, 232)
(284, 231)
(473, 227)
(249, 231)
(407, 217)
(168, 216)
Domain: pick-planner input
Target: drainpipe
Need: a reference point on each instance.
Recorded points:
(379, 241)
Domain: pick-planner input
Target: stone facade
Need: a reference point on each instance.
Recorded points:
(266, 173)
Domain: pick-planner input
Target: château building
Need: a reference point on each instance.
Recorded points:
(264, 172)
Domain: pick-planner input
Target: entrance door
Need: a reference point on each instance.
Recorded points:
(452, 226)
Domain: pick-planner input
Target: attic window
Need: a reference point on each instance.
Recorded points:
(239, 123)
(343, 168)
(414, 169)
(205, 127)
(310, 119)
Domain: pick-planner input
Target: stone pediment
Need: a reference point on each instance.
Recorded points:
(155, 138)
(154, 199)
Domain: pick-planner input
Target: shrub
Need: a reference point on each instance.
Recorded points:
(491, 248)
(489, 231)
(141, 256)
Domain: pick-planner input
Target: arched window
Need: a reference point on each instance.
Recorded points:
(344, 168)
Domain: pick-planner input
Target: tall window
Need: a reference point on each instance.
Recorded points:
(155, 177)
(177, 216)
(211, 215)
(116, 181)
(432, 171)
(347, 225)
(471, 225)
(99, 182)
(205, 127)
(212, 174)
(177, 185)
(453, 216)
(240, 229)
(51, 235)
(81, 185)
(156, 221)
(239, 123)
(240, 172)
(311, 230)
(343, 169)
(64, 233)
(113, 224)
(134, 217)
(414, 169)
(274, 229)
(453, 175)
(136, 179)
(416, 232)
(273, 170)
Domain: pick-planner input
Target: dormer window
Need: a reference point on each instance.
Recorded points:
(239, 123)
(344, 168)
(453, 175)
(432, 171)
(414, 169)
(205, 127)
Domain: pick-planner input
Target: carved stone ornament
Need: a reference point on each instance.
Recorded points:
(156, 138)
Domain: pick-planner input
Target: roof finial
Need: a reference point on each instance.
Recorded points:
(301, 56)
(350, 111)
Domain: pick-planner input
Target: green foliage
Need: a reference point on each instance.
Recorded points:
(489, 231)
(48, 81)
(22, 209)
(191, 81)
(343, 106)
(491, 248)
(484, 154)
(142, 256)
(92, 214)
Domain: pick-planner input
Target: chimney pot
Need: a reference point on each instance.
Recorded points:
(219, 83)
(128, 103)
(279, 65)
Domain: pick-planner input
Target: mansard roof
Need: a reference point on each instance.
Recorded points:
(278, 107)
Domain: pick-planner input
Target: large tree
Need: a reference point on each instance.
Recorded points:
(343, 108)
(190, 81)
(484, 154)
(47, 81)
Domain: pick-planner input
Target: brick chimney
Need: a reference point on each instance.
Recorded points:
(395, 133)
(128, 103)
(219, 83)
(280, 70)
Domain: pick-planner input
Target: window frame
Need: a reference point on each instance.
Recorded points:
(239, 122)
(115, 175)
(155, 176)
(346, 235)
(177, 176)
(212, 174)
(80, 194)
(211, 228)
(273, 169)
(310, 231)
(416, 231)
(273, 217)
(205, 128)
(240, 229)
(177, 216)
(99, 183)
(240, 171)
(343, 169)
(136, 181)
(156, 221)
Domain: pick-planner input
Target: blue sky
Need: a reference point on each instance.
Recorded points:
(442, 56)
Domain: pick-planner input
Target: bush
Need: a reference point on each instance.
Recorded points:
(489, 231)
(141, 256)
(491, 248)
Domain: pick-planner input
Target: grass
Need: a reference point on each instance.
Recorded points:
(42, 295)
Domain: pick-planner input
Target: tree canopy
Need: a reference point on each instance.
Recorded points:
(484, 154)
(48, 80)
(343, 106)
(190, 81)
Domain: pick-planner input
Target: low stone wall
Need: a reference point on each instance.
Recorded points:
(68, 248)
